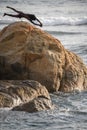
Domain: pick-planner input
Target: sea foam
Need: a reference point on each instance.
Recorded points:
(54, 21)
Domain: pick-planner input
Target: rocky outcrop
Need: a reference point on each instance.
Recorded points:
(38, 104)
(27, 52)
(24, 95)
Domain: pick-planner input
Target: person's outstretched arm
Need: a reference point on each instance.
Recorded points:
(40, 24)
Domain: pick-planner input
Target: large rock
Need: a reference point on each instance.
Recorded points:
(24, 95)
(27, 52)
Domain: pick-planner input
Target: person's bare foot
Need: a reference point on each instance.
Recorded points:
(4, 14)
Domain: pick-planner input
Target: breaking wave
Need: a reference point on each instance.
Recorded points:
(54, 21)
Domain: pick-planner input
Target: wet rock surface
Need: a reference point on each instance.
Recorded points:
(31, 95)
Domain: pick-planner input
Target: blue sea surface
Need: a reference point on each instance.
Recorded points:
(66, 20)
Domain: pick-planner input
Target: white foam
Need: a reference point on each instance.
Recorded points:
(5, 109)
(53, 21)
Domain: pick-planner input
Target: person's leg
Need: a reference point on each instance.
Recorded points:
(17, 16)
(14, 9)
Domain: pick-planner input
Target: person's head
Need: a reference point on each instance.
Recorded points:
(32, 17)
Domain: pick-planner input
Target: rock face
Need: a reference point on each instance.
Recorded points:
(27, 52)
(24, 95)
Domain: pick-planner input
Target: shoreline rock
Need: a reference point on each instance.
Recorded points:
(27, 52)
(24, 95)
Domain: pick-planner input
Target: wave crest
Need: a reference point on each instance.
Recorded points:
(54, 21)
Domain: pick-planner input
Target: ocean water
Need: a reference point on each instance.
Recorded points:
(67, 21)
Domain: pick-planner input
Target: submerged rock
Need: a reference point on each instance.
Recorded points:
(27, 52)
(31, 95)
